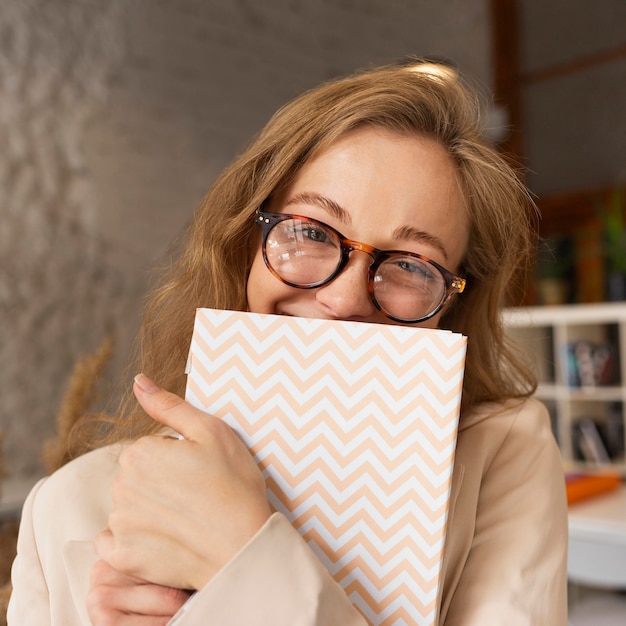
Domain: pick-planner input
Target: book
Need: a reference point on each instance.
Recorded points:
(583, 486)
(591, 364)
(589, 442)
(354, 427)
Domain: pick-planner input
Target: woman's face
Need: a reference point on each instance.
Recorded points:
(388, 190)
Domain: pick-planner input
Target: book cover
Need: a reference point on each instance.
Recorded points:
(354, 427)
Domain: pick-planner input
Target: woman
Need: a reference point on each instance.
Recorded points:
(391, 158)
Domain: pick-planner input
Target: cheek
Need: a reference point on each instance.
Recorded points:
(254, 288)
(263, 290)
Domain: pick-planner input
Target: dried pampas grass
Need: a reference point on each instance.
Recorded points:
(78, 398)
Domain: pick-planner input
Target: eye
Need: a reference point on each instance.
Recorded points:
(314, 233)
(414, 266)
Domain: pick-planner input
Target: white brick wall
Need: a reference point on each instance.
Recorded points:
(114, 118)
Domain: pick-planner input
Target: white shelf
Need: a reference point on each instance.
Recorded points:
(568, 314)
(547, 391)
(550, 332)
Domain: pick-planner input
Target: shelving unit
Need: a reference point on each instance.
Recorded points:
(580, 355)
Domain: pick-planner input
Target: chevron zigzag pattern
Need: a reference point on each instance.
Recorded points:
(354, 427)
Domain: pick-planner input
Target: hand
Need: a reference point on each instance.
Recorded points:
(182, 508)
(115, 598)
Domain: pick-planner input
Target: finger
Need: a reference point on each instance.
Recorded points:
(141, 599)
(104, 544)
(104, 574)
(168, 409)
(107, 618)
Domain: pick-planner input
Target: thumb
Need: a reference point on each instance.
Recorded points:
(169, 409)
(104, 544)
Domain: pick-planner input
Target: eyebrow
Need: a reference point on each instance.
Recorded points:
(406, 233)
(317, 199)
(411, 233)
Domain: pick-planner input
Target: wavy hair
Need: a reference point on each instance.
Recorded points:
(212, 269)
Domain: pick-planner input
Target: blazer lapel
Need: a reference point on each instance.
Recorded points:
(79, 557)
(455, 488)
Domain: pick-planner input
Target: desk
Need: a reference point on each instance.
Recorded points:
(597, 541)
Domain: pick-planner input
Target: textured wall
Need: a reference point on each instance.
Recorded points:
(114, 118)
(59, 292)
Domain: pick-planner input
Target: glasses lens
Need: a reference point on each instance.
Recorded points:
(302, 252)
(408, 288)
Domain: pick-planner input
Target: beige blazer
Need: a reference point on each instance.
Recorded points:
(504, 560)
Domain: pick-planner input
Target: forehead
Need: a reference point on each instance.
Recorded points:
(415, 157)
(386, 181)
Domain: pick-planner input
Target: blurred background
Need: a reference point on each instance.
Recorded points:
(116, 116)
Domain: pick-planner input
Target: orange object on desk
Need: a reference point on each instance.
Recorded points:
(582, 486)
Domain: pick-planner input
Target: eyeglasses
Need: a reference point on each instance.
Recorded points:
(305, 253)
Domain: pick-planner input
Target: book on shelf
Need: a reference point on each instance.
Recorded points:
(612, 431)
(590, 364)
(588, 442)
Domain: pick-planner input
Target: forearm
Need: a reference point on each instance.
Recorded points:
(275, 580)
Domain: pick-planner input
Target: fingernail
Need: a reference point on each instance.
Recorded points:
(146, 384)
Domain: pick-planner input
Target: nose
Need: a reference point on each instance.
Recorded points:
(347, 296)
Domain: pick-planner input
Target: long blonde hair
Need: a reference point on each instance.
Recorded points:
(213, 267)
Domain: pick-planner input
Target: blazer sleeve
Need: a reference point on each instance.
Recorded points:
(516, 568)
(275, 580)
(29, 603)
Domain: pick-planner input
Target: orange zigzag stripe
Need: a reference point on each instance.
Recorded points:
(393, 472)
(309, 352)
(338, 343)
(378, 607)
(373, 381)
(334, 555)
(330, 354)
(343, 484)
(424, 445)
(329, 425)
(307, 331)
(316, 512)
(269, 402)
(298, 442)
